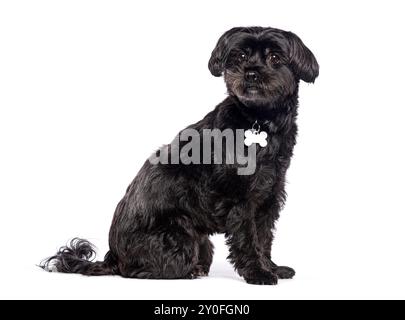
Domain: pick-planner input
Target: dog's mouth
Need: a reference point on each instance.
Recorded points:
(252, 89)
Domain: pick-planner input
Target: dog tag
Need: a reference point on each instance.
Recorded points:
(255, 136)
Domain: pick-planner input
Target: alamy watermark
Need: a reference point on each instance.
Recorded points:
(232, 147)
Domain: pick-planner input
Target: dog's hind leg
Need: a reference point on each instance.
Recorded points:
(169, 253)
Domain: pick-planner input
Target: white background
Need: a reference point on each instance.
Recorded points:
(88, 89)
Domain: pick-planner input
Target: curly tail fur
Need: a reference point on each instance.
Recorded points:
(77, 257)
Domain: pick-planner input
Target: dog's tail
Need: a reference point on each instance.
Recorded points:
(77, 257)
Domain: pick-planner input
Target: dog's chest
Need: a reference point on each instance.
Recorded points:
(266, 164)
(225, 188)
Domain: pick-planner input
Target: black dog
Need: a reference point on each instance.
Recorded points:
(161, 227)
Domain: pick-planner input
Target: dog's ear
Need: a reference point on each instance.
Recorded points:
(216, 65)
(303, 61)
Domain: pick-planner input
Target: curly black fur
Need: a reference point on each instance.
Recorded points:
(77, 257)
(161, 227)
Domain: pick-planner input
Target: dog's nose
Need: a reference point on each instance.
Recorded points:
(252, 76)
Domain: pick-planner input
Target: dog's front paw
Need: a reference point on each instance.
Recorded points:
(200, 271)
(284, 272)
(261, 278)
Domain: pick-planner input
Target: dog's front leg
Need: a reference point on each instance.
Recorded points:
(246, 252)
(265, 225)
(266, 217)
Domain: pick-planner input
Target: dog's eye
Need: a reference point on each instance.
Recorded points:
(243, 56)
(274, 59)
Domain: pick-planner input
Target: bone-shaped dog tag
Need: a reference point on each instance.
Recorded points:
(254, 136)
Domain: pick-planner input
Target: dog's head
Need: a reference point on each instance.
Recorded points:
(262, 65)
